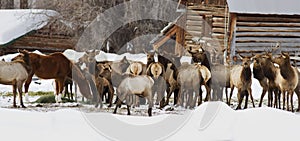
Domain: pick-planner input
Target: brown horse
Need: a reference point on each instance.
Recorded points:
(57, 66)
(15, 73)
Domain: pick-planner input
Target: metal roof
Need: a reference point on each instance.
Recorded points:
(278, 7)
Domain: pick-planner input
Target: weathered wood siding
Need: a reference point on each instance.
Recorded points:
(48, 39)
(206, 21)
(257, 33)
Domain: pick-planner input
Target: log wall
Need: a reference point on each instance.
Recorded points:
(48, 39)
(206, 21)
(258, 33)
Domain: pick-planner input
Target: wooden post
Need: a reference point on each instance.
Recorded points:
(180, 36)
(233, 19)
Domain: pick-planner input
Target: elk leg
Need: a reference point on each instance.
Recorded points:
(226, 92)
(231, 92)
(19, 85)
(14, 95)
(176, 95)
(148, 97)
(110, 94)
(262, 97)
(287, 101)
(270, 98)
(190, 100)
(208, 91)
(246, 93)
(200, 99)
(277, 99)
(240, 99)
(168, 90)
(119, 102)
(179, 101)
(292, 104)
(128, 110)
(200, 96)
(250, 93)
(71, 91)
(298, 95)
(283, 98)
(195, 99)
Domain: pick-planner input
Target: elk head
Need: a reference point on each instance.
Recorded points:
(246, 60)
(282, 59)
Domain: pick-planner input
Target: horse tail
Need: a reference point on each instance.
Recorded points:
(79, 78)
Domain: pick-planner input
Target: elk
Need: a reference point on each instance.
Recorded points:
(103, 84)
(258, 73)
(220, 80)
(140, 85)
(206, 76)
(189, 80)
(157, 72)
(137, 68)
(287, 78)
(240, 77)
(170, 63)
(269, 71)
(201, 56)
(172, 85)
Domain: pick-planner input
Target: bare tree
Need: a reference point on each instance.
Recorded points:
(23, 4)
(7, 4)
(78, 14)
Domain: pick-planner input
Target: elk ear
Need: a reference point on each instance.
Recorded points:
(241, 56)
(23, 51)
(285, 53)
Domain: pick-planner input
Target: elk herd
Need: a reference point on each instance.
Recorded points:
(135, 83)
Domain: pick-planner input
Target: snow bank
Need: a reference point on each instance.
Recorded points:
(59, 125)
(103, 56)
(16, 23)
(210, 121)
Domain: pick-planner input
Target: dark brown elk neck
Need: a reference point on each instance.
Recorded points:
(201, 58)
(286, 70)
(246, 74)
(269, 70)
(258, 72)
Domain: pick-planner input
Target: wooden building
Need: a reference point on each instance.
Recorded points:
(25, 29)
(47, 40)
(200, 19)
(257, 25)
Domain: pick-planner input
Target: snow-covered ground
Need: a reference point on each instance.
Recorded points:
(221, 123)
(210, 121)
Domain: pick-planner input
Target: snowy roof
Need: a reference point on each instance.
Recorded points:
(279, 7)
(17, 22)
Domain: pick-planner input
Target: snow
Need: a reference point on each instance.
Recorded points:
(210, 121)
(279, 7)
(103, 56)
(16, 23)
(59, 125)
